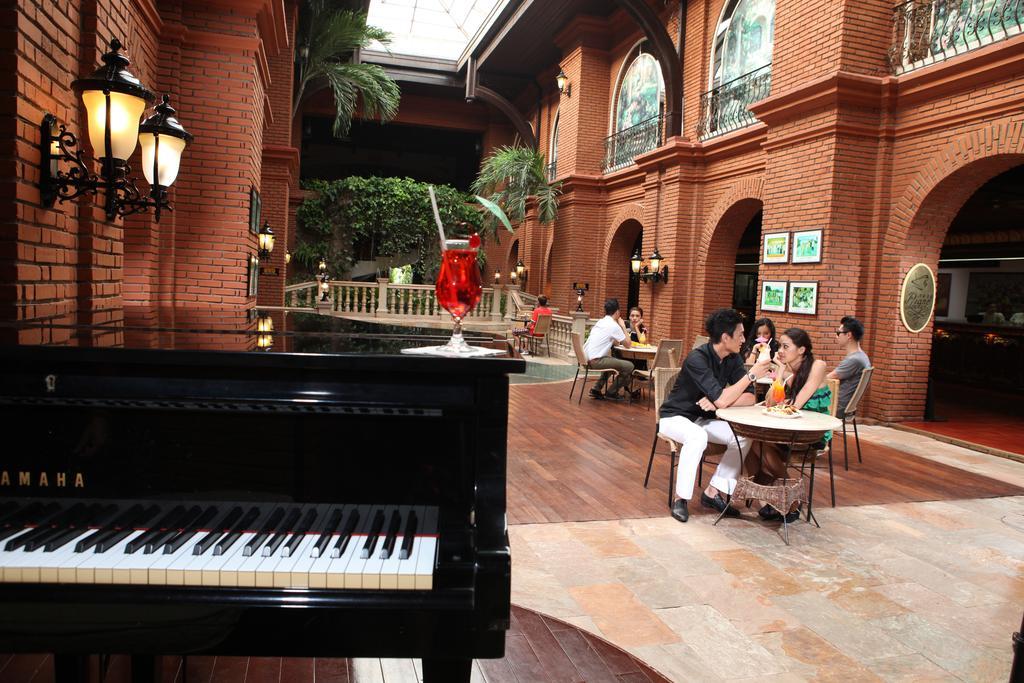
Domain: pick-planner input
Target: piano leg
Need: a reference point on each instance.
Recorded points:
(70, 668)
(445, 670)
(146, 669)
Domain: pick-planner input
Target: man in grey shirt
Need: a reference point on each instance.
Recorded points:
(849, 334)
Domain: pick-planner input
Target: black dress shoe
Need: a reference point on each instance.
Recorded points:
(769, 514)
(613, 397)
(596, 393)
(792, 516)
(679, 510)
(717, 503)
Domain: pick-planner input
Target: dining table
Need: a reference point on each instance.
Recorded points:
(801, 432)
(636, 352)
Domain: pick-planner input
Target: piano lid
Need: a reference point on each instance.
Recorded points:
(236, 330)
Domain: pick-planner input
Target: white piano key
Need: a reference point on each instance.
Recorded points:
(389, 570)
(68, 572)
(63, 557)
(287, 574)
(35, 562)
(264, 573)
(318, 570)
(245, 571)
(370, 571)
(133, 568)
(98, 567)
(221, 570)
(407, 568)
(12, 560)
(425, 561)
(337, 571)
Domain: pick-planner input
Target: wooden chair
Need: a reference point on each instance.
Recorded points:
(664, 380)
(851, 413)
(701, 340)
(583, 364)
(540, 334)
(664, 357)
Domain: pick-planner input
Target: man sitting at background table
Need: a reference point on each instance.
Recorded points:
(609, 330)
(540, 309)
(713, 376)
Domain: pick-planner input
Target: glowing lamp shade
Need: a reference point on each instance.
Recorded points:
(266, 239)
(125, 111)
(520, 269)
(163, 140)
(656, 261)
(113, 86)
(264, 323)
(635, 262)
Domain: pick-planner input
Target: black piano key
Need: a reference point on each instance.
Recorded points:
(44, 527)
(168, 520)
(392, 536)
(371, 537)
(332, 523)
(173, 544)
(71, 534)
(308, 520)
(346, 534)
(411, 524)
(115, 536)
(264, 532)
(126, 517)
(66, 523)
(33, 514)
(232, 537)
(210, 539)
(179, 526)
(282, 532)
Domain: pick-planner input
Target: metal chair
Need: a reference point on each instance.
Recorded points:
(583, 364)
(851, 413)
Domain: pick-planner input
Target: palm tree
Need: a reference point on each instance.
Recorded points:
(511, 175)
(327, 37)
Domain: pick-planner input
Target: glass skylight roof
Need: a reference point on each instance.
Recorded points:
(430, 28)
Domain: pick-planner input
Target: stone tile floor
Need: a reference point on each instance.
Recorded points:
(926, 591)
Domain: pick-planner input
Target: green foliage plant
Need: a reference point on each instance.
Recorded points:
(509, 176)
(326, 39)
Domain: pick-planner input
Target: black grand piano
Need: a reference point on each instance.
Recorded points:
(167, 489)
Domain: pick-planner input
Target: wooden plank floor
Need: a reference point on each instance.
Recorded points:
(584, 462)
(538, 649)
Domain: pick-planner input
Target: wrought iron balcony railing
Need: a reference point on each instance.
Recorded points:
(724, 109)
(929, 31)
(552, 171)
(621, 148)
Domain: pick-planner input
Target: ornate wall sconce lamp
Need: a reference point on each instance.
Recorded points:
(652, 271)
(114, 100)
(266, 241)
(564, 86)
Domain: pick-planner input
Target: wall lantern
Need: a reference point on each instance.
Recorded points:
(497, 277)
(264, 332)
(287, 257)
(521, 271)
(114, 100)
(322, 268)
(325, 287)
(512, 276)
(266, 240)
(653, 271)
(564, 86)
(581, 289)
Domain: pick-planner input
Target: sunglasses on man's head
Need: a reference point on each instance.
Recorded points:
(840, 332)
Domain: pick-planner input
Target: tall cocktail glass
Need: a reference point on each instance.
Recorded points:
(458, 288)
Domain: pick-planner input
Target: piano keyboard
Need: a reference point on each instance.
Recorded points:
(359, 547)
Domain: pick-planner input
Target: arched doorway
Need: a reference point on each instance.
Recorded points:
(619, 280)
(731, 263)
(958, 216)
(510, 262)
(976, 371)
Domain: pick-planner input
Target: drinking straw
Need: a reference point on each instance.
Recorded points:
(437, 216)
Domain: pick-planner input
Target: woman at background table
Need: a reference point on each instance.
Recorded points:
(637, 326)
(806, 389)
(763, 328)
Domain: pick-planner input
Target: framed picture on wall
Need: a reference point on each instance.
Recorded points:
(942, 286)
(807, 246)
(803, 298)
(255, 209)
(776, 248)
(773, 296)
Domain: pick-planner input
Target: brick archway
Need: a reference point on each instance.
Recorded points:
(716, 254)
(921, 218)
(618, 249)
(511, 256)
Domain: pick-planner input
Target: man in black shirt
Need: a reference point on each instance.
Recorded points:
(713, 376)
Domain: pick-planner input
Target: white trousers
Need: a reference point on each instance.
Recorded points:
(693, 437)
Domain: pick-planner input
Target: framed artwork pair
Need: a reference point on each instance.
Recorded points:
(803, 297)
(806, 247)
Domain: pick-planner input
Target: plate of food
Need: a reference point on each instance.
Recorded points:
(785, 411)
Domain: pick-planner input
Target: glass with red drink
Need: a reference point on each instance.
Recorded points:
(458, 287)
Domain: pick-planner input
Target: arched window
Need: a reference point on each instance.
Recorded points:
(639, 107)
(743, 39)
(741, 66)
(553, 151)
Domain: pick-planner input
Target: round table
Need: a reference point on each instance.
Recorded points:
(806, 430)
(636, 353)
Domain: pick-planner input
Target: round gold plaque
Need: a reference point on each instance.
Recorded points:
(917, 297)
